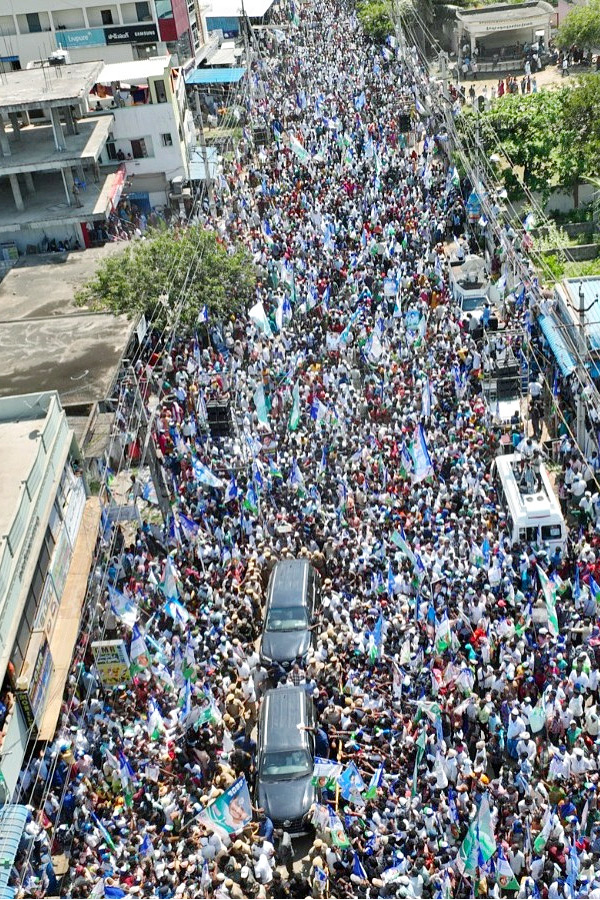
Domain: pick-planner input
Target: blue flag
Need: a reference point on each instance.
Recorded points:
(358, 868)
(391, 582)
(188, 527)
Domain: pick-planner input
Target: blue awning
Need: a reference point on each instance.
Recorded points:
(13, 818)
(215, 76)
(558, 345)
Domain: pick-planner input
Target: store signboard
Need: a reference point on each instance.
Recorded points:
(80, 37)
(131, 34)
(34, 680)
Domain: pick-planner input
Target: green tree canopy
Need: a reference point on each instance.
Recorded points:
(553, 135)
(151, 276)
(581, 27)
(374, 16)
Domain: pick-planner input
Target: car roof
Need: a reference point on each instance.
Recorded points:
(282, 711)
(288, 582)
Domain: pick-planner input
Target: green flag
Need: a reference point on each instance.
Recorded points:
(443, 634)
(549, 589)
(295, 413)
(261, 405)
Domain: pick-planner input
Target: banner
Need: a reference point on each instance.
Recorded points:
(231, 812)
(112, 662)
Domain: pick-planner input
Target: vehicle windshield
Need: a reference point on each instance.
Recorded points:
(286, 764)
(471, 303)
(288, 618)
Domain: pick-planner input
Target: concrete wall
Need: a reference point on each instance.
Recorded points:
(558, 200)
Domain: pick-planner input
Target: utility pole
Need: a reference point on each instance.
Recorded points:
(149, 450)
(583, 357)
(248, 54)
(443, 60)
(207, 173)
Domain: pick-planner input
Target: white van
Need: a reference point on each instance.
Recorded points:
(533, 516)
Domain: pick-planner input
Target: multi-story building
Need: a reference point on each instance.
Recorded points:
(152, 127)
(31, 30)
(51, 187)
(74, 137)
(48, 530)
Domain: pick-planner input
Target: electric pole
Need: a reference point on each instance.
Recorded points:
(248, 53)
(207, 173)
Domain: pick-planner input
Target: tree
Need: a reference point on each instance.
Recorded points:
(526, 128)
(152, 276)
(580, 129)
(553, 135)
(374, 16)
(581, 27)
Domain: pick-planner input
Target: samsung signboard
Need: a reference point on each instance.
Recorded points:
(131, 34)
(80, 37)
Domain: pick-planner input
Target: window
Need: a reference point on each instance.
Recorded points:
(164, 9)
(107, 16)
(161, 93)
(142, 11)
(167, 140)
(551, 532)
(139, 149)
(33, 22)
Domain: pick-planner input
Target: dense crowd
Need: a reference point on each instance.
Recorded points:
(362, 441)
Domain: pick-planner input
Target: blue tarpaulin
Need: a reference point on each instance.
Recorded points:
(215, 76)
(558, 344)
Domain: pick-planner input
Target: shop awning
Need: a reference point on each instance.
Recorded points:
(215, 76)
(13, 818)
(558, 345)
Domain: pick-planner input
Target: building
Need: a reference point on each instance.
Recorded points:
(30, 30)
(51, 188)
(48, 529)
(503, 29)
(152, 128)
(225, 15)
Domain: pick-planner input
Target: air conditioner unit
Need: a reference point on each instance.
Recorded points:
(177, 186)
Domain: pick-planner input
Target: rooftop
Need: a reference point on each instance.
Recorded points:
(47, 86)
(254, 9)
(35, 150)
(508, 10)
(76, 355)
(19, 440)
(135, 71)
(46, 342)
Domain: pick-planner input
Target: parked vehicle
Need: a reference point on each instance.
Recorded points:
(285, 756)
(293, 599)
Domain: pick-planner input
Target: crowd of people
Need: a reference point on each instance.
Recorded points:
(361, 441)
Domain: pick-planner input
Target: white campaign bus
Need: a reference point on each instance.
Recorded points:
(532, 516)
